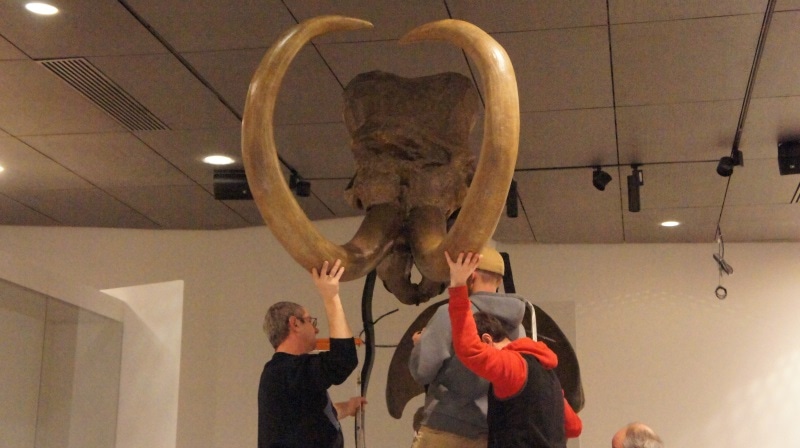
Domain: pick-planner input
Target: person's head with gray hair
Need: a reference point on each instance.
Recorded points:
(276, 321)
(636, 435)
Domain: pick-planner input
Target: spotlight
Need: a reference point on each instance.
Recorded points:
(600, 178)
(726, 164)
(635, 180)
(302, 188)
(512, 200)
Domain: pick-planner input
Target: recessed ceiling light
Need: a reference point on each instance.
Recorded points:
(41, 8)
(1, 168)
(218, 160)
(670, 224)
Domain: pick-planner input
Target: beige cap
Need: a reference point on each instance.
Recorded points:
(492, 261)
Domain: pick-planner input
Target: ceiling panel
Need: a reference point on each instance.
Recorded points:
(185, 149)
(563, 206)
(107, 160)
(772, 222)
(170, 91)
(769, 122)
(666, 92)
(179, 207)
(391, 19)
(578, 137)
(631, 11)
(82, 28)
(759, 182)
(89, 207)
(317, 150)
(777, 73)
(9, 52)
(683, 61)
(526, 15)
(698, 225)
(560, 69)
(309, 91)
(14, 213)
(677, 132)
(28, 169)
(202, 25)
(41, 103)
(678, 185)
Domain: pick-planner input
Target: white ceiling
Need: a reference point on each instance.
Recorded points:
(612, 83)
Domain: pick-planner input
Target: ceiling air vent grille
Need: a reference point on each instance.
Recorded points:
(91, 82)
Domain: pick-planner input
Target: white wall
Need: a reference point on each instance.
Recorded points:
(654, 342)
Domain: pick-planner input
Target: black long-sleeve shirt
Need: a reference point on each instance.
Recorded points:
(293, 397)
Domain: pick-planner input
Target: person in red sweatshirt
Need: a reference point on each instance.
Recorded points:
(526, 403)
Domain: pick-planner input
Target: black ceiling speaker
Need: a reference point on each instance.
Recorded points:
(231, 185)
(789, 157)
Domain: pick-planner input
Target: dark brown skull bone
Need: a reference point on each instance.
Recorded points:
(410, 140)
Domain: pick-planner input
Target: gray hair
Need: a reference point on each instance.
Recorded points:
(276, 321)
(639, 435)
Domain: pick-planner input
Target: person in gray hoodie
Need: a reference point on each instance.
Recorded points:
(455, 398)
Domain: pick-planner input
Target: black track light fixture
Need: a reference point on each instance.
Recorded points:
(512, 200)
(726, 164)
(635, 180)
(600, 178)
(302, 188)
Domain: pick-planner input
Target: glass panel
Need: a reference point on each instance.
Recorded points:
(62, 376)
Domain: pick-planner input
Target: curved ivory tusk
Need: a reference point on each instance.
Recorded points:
(481, 209)
(275, 201)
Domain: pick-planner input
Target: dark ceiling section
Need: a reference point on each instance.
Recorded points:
(109, 107)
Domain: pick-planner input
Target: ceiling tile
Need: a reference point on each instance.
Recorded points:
(14, 213)
(677, 132)
(514, 230)
(109, 159)
(41, 103)
(202, 25)
(185, 149)
(495, 16)
(391, 19)
(317, 150)
(168, 89)
(698, 225)
(779, 66)
(309, 91)
(768, 222)
(677, 185)
(28, 169)
(82, 207)
(564, 207)
(630, 11)
(10, 52)
(180, 207)
(106, 27)
(769, 122)
(566, 138)
(683, 61)
(560, 69)
(759, 182)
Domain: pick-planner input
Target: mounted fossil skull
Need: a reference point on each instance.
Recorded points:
(410, 140)
(409, 219)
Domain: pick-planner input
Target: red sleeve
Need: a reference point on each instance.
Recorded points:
(505, 369)
(572, 423)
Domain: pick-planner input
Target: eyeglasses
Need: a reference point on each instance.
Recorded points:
(313, 320)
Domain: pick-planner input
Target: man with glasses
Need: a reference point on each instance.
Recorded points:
(294, 408)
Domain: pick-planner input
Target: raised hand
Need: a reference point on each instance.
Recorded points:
(327, 281)
(463, 267)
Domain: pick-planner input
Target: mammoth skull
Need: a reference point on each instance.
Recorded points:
(407, 211)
